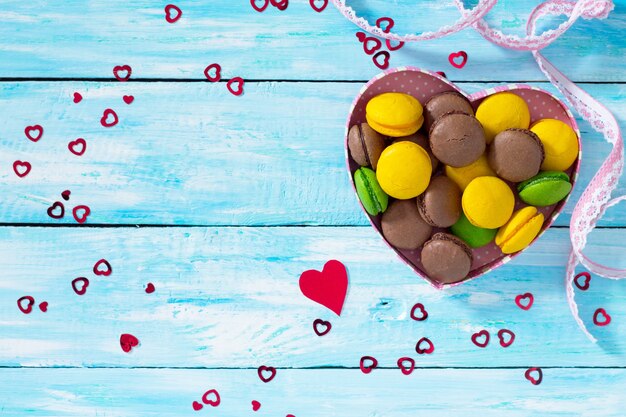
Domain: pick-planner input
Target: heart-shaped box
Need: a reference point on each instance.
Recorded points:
(423, 84)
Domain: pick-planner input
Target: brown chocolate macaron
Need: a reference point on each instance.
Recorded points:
(446, 258)
(365, 145)
(457, 139)
(443, 103)
(440, 204)
(422, 141)
(516, 154)
(403, 227)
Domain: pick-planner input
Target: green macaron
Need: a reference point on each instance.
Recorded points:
(545, 188)
(474, 236)
(371, 195)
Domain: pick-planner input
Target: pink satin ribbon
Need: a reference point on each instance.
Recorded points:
(596, 198)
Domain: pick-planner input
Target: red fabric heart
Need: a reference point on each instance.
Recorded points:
(423, 313)
(122, 72)
(484, 335)
(260, 9)
(238, 90)
(585, 286)
(128, 99)
(52, 210)
(367, 368)
(280, 5)
(370, 49)
(384, 64)
(525, 301)
(43, 306)
(66, 195)
(21, 168)
(263, 370)
(34, 132)
(501, 335)
(172, 18)
(213, 402)
(29, 306)
(393, 48)
(197, 406)
(79, 285)
(424, 351)
(106, 271)
(150, 288)
(534, 380)
(80, 213)
(321, 327)
(77, 97)
(328, 287)
(256, 405)
(389, 21)
(104, 121)
(218, 72)
(128, 342)
(319, 9)
(406, 370)
(606, 318)
(78, 146)
(453, 57)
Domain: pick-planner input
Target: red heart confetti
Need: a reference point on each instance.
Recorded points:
(606, 318)
(280, 5)
(21, 168)
(128, 342)
(104, 272)
(34, 132)
(453, 57)
(368, 364)
(128, 99)
(150, 288)
(317, 8)
(406, 370)
(384, 64)
(423, 314)
(361, 36)
(239, 82)
(43, 306)
(328, 287)
(122, 72)
(484, 336)
(261, 8)
(321, 327)
(80, 213)
(52, 210)
(77, 97)
(172, 17)
(424, 351)
(29, 306)
(213, 402)
(66, 195)
(391, 47)
(197, 406)
(525, 301)
(79, 285)
(503, 340)
(105, 122)
(370, 49)
(530, 375)
(290, 415)
(263, 370)
(256, 405)
(218, 72)
(389, 23)
(78, 146)
(585, 286)
(443, 74)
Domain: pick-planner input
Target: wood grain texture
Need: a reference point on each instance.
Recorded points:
(229, 297)
(77, 39)
(193, 154)
(312, 393)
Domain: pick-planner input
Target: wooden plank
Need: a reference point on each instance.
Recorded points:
(315, 393)
(191, 153)
(69, 39)
(229, 297)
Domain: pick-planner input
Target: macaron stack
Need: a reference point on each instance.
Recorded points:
(446, 178)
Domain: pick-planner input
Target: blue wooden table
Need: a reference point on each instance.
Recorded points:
(222, 202)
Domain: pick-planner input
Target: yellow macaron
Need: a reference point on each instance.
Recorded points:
(502, 111)
(523, 227)
(464, 175)
(394, 114)
(560, 144)
(488, 202)
(404, 170)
